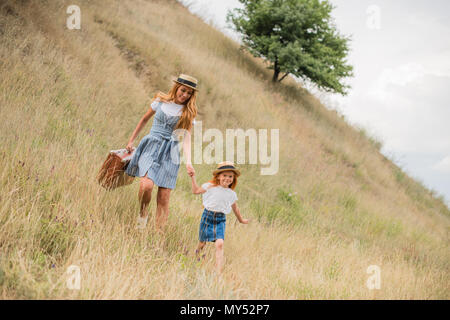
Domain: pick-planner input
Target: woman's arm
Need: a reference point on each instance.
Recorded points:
(195, 188)
(187, 152)
(140, 125)
(237, 213)
(187, 147)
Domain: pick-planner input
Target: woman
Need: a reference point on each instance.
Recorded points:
(156, 159)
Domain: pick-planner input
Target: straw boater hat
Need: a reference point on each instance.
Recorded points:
(187, 81)
(227, 166)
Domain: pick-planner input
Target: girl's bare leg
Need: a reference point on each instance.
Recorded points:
(219, 255)
(162, 208)
(200, 246)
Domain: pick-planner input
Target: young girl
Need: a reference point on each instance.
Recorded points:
(218, 199)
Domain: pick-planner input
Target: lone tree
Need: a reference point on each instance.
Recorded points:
(298, 37)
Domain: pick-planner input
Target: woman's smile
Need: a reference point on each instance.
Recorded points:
(183, 94)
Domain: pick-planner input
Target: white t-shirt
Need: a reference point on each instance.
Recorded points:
(218, 198)
(171, 109)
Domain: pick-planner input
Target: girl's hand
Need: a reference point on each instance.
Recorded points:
(190, 170)
(129, 147)
(245, 221)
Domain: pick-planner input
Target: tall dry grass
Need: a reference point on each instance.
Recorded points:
(67, 97)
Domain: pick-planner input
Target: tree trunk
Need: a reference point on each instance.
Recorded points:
(284, 76)
(275, 75)
(276, 71)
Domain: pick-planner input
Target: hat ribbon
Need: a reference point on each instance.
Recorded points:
(189, 83)
(226, 167)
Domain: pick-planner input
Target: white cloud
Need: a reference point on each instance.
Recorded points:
(443, 165)
(413, 113)
(400, 76)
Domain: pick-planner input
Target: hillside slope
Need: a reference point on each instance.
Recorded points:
(67, 97)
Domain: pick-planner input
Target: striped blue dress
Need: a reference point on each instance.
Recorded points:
(157, 155)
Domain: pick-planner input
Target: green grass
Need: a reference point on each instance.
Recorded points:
(335, 206)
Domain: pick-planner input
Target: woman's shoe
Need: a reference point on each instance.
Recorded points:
(141, 223)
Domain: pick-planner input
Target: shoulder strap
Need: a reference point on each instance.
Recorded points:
(158, 105)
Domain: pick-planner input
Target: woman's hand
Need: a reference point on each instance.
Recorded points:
(129, 147)
(190, 170)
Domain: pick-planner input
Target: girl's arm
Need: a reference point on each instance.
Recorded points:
(195, 188)
(237, 213)
(140, 125)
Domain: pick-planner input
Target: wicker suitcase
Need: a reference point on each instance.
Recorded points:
(112, 173)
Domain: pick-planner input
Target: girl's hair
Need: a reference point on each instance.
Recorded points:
(215, 180)
(190, 110)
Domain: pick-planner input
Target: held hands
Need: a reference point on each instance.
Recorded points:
(190, 170)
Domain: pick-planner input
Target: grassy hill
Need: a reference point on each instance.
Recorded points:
(67, 97)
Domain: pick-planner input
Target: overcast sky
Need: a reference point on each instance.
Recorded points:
(400, 51)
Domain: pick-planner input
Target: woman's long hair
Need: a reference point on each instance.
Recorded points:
(215, 180)
(189, 111)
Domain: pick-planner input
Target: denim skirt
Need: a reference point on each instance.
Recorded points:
(212, 226)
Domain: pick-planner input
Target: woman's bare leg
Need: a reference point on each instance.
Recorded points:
(162, 208)
(145, 195)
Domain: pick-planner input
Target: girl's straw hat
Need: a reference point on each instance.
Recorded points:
(187, 81)
(227, 166)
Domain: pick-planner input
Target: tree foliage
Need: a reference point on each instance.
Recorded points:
(297, 37)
